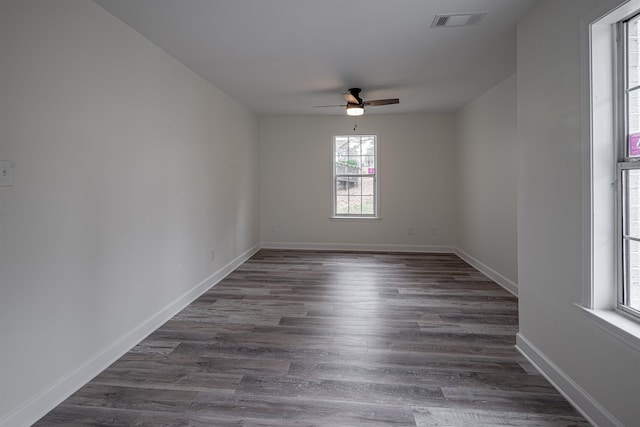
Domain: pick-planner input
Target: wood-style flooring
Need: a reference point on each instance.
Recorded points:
(306, 338)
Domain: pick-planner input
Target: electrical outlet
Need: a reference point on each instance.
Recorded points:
(6, 173)
(273, 228)
(180, 270)
(434, 231)
(212, 255)
(410, 231)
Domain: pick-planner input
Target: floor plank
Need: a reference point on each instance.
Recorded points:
(313, 338)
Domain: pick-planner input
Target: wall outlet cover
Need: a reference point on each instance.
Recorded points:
(6, 173)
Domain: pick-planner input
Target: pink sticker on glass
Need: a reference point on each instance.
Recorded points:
(634, 144)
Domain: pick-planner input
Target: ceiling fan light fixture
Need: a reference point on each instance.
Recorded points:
(355, 110)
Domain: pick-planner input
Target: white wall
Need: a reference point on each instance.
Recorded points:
(486, 182)
(597, 371)
(416, 161)
(126, 165)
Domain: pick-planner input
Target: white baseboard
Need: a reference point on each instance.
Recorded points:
(489, 272)
(576, 395)
(357, 247)
(34, 409)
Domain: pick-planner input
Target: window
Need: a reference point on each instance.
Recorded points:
(628, 167)
(611, 166)
(355, 173)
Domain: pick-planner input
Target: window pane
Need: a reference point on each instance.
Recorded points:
(355, 187)
(631, 220)
(368, 165)
(341, 165)
(347, 167)
(632, 292)
(341, 149)
(367, 186)
(341, 141)
(634, 123)
(354, 165)
(367, 205)
(633, 59)
(355, 205)
(354, 146)
(368, 145)
(342, 205)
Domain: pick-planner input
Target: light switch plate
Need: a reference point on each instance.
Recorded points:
(6, 173)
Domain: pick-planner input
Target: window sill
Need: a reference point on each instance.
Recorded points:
(615, 324)
(355, 218)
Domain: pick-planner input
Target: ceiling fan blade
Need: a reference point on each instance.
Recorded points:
(350, 98)
(375, 102)
(326, 106)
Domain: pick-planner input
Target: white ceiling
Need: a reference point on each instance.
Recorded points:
(283, 57)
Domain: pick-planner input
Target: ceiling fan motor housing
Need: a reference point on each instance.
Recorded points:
(355, 92)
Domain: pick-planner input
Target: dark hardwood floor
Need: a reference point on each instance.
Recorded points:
(330, 339)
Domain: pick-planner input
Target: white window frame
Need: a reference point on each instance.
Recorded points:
(375, 176)
(625, 163)
(602, 133)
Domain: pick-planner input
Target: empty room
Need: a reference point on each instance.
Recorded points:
(319, 213)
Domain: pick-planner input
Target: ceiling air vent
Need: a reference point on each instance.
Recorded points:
(457, 19)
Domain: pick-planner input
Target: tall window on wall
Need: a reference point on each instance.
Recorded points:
(629, 169)
(355, 173)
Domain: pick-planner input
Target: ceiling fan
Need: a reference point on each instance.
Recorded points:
(355, 105)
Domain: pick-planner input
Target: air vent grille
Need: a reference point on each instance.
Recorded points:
(457, 19)
(441, 21)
